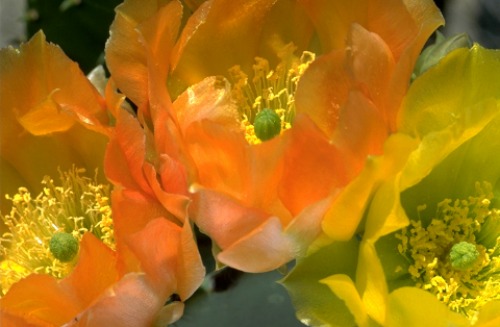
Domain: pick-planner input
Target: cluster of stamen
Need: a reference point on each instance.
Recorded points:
(41, 227)
(457, 255)
(269, 89)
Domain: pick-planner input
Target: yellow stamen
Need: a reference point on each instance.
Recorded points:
(77, 206)
(269, 89)
(451, 257)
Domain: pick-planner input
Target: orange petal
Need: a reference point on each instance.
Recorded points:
(333, 19)
(130, 302)
(212, 40)
(371, 65)
(133, 210)
(316, 95)
(44, 93)
(141, 31)
(219, 155)
(190, 270)
(170, 254)
(126, 154)
(42, 298)
(361, 131)
(46, 90)
(39, 299)
(175, 203)
(209, 99)
(95, 271)
(313, 167)
(223, 218)
(263, 249)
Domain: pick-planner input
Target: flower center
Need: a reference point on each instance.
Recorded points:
(63, 246)
(457, 255)
(269, 90)
(463, 255)
(45, 231)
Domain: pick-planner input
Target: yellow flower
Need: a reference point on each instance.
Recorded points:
(414, 266)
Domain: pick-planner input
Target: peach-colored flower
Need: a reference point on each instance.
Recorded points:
(260, 203)
(97, 293)
(55, 119)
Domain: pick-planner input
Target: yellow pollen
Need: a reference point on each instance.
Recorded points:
(272, 89)
(464, 288)
(76, 206)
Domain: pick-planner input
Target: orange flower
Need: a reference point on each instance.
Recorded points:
(52, 116)
(98, 294)
(260, 199)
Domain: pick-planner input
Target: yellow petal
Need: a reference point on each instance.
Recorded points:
(489, 315)
(413, 307)
(343, 217)
(343, 287)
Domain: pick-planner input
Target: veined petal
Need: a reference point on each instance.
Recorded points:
(52, 306)
(86, 282)
(224, 218)
(310, 173)
(132, 301)
(443, 114)
(213, 30)
(344, 288)
(41, 298)
(39, 81)
(352, 201)
(51, 111)
(263, 249)
(141, 29)
(126, 154)
(333, 20)
(173, 252)
(315, 303)
(209, 99)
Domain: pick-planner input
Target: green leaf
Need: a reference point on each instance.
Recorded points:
(252, 300)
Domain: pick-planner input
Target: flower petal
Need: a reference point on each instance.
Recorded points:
(130, 302)
(413, 307)
(352, 201)
(213, 31)
(42, 298)
(142, 31)
(315, 303)
(263, 249)
(172, 262)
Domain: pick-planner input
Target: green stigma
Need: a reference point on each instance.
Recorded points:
(267, 124)
(463, 255)
(270, 92)
(63, 246)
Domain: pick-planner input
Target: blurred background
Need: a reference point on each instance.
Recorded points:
(80, 27)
